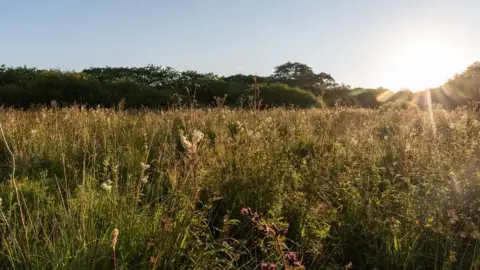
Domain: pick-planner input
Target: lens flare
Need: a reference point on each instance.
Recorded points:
(385, 96)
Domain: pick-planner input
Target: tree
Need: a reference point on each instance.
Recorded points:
(300, 75)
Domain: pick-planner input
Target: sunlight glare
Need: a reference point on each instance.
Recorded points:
(421, 64)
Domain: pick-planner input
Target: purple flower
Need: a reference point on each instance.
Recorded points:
(292, 257)
(283, 231)
(266, 266)
(292, 260)
(266, 230)
(244, 211)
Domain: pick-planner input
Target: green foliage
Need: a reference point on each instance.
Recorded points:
(385, 189)
(278, 94)
(302, 76)
(163, 87)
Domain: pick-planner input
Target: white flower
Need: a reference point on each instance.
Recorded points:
(407, 147)
(34, 131)
(249, 132)
(144, 180)
(197, 136)
(144, 166)
(109, 182)
(186, 144)
(106, 186)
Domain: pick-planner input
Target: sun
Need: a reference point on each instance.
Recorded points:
(421, 64)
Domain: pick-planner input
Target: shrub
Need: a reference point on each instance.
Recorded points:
(12, 95)
(65, 88)
(278, 94)
(339, 97)
(232, 91)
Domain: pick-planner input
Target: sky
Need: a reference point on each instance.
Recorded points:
(362, 43)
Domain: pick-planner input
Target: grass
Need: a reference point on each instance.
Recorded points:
(356, 188)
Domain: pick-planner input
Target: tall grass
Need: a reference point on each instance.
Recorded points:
(356, 188)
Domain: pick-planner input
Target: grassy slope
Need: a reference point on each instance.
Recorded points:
(378, 189)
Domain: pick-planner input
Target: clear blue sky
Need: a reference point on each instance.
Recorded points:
(359, 42)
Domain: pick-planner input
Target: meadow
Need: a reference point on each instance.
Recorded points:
(337, 188)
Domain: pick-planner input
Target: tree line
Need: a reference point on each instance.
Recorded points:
(291, 84)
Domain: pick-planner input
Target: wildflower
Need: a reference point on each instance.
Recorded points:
(106, 186)
(109, 182)
(249, 132)
(452, 256)
(34, 131)
(292, 260)
(244, 211)
(167, 224)
(292, 256)
(407, 147)
(283, 231)
(144, 179)
(197, 136)
(475, 235)
(153, 260)
(144, 166)
(266, 229)
(186, 144)
(266, 266)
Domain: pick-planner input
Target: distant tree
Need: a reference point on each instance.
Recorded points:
(300, 75)
(247, 79)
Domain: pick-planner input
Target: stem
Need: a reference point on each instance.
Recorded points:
(279, 250)
(14, 182)
(114, 259)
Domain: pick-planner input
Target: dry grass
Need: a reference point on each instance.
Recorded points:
(377, 189)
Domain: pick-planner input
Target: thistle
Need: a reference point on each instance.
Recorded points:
(191, 146)
(105, 186)
(144, 166)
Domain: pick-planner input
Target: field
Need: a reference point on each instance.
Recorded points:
(239, 189)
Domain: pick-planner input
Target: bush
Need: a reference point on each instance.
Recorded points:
(14, 95)
(232, 91)
(65, 88)
(339, 97)
(148, 97)
(278, 94)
